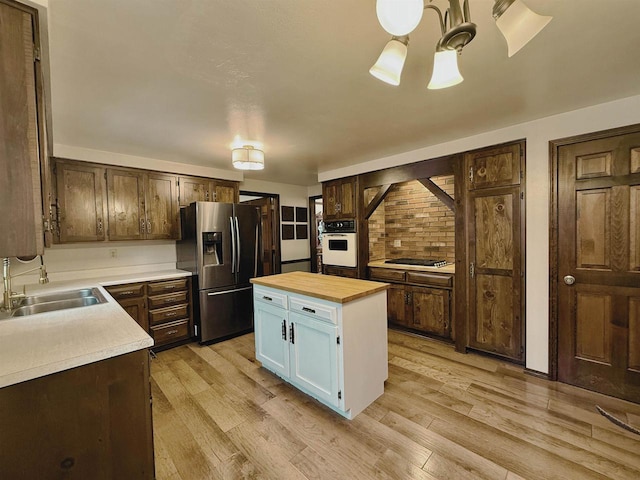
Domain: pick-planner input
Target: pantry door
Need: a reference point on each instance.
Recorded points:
(597, 279)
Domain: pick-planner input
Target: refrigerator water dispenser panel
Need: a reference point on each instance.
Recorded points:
(212, 248)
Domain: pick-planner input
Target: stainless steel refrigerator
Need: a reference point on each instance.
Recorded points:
(220, 246)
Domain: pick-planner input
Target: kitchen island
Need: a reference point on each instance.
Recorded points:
(325, 335)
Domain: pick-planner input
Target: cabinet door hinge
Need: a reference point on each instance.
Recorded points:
(472, 270)
(339, 394)
(36, 54)
(521, 195)
(338, 339)
(105, 175)
(470, 174)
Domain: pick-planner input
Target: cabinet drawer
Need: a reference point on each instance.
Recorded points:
(160, 301)
(157, 288)
(315, 310)
(421, 278)
(170, 332)
(272, 298)
(387, 274)
(168, 314)
(130, 290)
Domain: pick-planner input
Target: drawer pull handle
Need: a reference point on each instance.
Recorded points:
(169, 287)
(128, 292)
(268, 299)
(172, 332)
(170, 314)
(307, 309)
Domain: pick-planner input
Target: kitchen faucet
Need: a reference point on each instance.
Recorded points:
(9, 296)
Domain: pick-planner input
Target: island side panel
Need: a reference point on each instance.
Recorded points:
(365, 357)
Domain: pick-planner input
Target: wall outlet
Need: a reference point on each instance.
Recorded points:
(397, 243)
(113, 253)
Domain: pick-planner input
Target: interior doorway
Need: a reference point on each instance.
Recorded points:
(595, 262)
(269, 204)
(315, 235)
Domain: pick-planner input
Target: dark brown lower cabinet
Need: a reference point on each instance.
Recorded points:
(426, 309)
(163, 308)
(340, 271)
(92, 422)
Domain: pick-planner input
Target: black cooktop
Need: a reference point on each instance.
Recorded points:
(423, 262)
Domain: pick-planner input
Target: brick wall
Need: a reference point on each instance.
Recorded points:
(412, 215)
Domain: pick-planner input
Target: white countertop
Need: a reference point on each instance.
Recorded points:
(37, 345)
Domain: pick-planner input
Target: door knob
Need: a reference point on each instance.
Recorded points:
(569, 279)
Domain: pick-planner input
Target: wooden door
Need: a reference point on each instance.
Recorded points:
(20, 202)
(348, 199)
(330, 199)
(81, 200)
(136, 308)
(495, 206)
(225, 192)
(125, 197)
(161, 206)
(430, 310)
(339, 199)
(269, 227)
(397, 304)
(193, 189)
(598, 272)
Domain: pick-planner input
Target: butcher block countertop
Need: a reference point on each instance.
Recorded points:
(326, 287)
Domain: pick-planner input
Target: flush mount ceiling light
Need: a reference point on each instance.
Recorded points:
(247, 157)
(514, 19)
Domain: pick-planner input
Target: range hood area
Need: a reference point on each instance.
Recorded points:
(412, 226)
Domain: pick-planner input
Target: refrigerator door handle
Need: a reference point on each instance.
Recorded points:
(258, 249)
(213, 294)
(238, 254)
(233, 246)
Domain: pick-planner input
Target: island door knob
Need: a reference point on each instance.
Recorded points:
(569, 279)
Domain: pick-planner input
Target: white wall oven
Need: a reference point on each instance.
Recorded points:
(340, 244)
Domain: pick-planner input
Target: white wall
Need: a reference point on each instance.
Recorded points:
(291, 196)
(537, 133)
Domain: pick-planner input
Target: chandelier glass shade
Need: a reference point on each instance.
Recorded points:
(388, 68)
(445, 70)
(513, 18)
(247, 158)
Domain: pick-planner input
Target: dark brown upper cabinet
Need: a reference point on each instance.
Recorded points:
(81, 215)
(198, 189)
(22, 136)
(494, 206)
(339, 198)
(142, 205)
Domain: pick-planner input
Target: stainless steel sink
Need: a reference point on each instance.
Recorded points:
(55, 297)
(58, 301)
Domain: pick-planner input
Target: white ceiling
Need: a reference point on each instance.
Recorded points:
(178, 80)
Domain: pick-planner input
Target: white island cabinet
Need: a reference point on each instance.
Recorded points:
(325, 335)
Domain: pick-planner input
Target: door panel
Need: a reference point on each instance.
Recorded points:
(193, 190)
(495, 281)
(314, 357)
(495, 167)
(598, 236)
(272, 346)
(248, 230)
(430, 310)
(397, 304)
(126, 205)
(161, 206)
(225, 312)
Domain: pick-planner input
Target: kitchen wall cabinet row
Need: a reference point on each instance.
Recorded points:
(162, 308)
(418, 300)
(95, 202)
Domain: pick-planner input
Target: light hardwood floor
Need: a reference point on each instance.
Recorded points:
(444, 415)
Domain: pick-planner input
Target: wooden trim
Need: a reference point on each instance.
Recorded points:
(438, 193)
(412, 171)
(377, 200)
(459, 309)
(313, 233)
(554, 146)
(299, 260)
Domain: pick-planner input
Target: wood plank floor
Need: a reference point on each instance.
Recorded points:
(444, 415)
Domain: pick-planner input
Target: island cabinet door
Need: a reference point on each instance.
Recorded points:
(271, 334)
(314, 357)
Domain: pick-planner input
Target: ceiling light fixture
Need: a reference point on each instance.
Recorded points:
(514, 19)
(247, 157)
